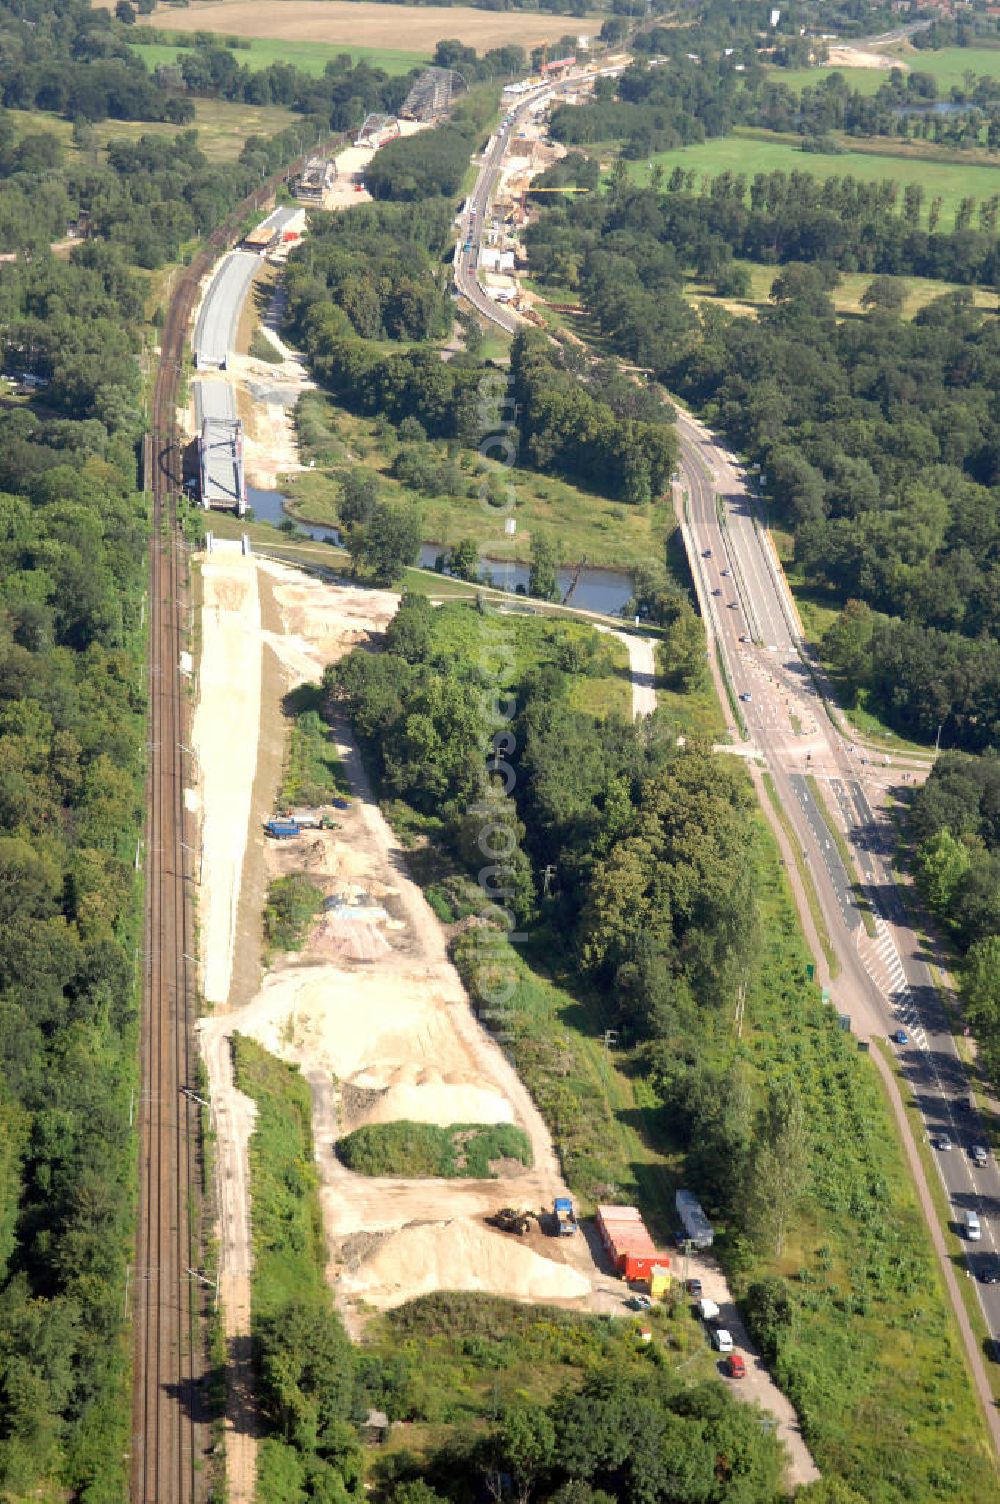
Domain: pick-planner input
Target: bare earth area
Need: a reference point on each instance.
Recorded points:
(377, 1008)
(859, 57)
(392, 27)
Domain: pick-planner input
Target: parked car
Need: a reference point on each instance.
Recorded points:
(640, 1303)
(736, 1367)
(722, 1340)
(693, 1288)
(900, 1037)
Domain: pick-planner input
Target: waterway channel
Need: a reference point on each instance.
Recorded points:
(605, 590)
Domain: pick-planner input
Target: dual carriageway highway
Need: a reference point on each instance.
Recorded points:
(885, 983)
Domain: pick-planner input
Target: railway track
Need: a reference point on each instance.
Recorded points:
(170, 1431)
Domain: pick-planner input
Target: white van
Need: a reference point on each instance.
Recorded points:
(722, 1340)
(973, 1231)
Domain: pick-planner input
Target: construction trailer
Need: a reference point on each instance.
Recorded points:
(697, 1228)
(286, 223)
(220, 466)
(627, 1242)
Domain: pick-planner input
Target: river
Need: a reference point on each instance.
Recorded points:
(605, 590)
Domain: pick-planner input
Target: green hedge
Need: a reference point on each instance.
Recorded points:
(420, 1150)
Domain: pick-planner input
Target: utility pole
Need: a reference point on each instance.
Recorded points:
(610, 1042)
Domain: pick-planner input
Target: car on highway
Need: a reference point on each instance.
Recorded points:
(733, 605)
(964, 1104)
(900, 1037)
(736, 1366)
(942, 1143)
(989, 1270)
(726, 573)
(746, 697)
(979, 1154)
(722, 1340)
(745, 637)
(706, 553)
(716, 591)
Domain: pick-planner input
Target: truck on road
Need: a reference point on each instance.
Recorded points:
(566, 1224)
(283, 830)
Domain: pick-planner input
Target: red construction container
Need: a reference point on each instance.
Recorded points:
(627, 1241)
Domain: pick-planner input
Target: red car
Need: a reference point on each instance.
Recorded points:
(736, 1367)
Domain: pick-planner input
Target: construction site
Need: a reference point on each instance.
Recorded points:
(370, 1009)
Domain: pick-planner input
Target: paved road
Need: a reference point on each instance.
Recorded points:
(213, 399)
(218, 320)
(885, 982)
(472, 222)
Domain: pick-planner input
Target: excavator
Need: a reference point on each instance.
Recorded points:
(511, 1219)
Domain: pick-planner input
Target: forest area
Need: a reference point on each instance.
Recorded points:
(73, 574)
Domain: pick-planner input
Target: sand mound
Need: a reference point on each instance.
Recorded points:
(460, 1255)
(439, 1103)
(342, 1021)
(348, 940)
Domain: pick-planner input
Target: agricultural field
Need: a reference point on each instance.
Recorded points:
(865, 80)
(309, 57)
(750, 154)
(951, 64)
(376, 26)
(222, 127)
(846, 296)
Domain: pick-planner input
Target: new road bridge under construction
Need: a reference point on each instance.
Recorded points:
(221, 476)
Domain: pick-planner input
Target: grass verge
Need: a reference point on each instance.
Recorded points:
(289, 1247)
(805, 877)
(864, 906)
(467, 1151)
(943, 1211)
(734, 704)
